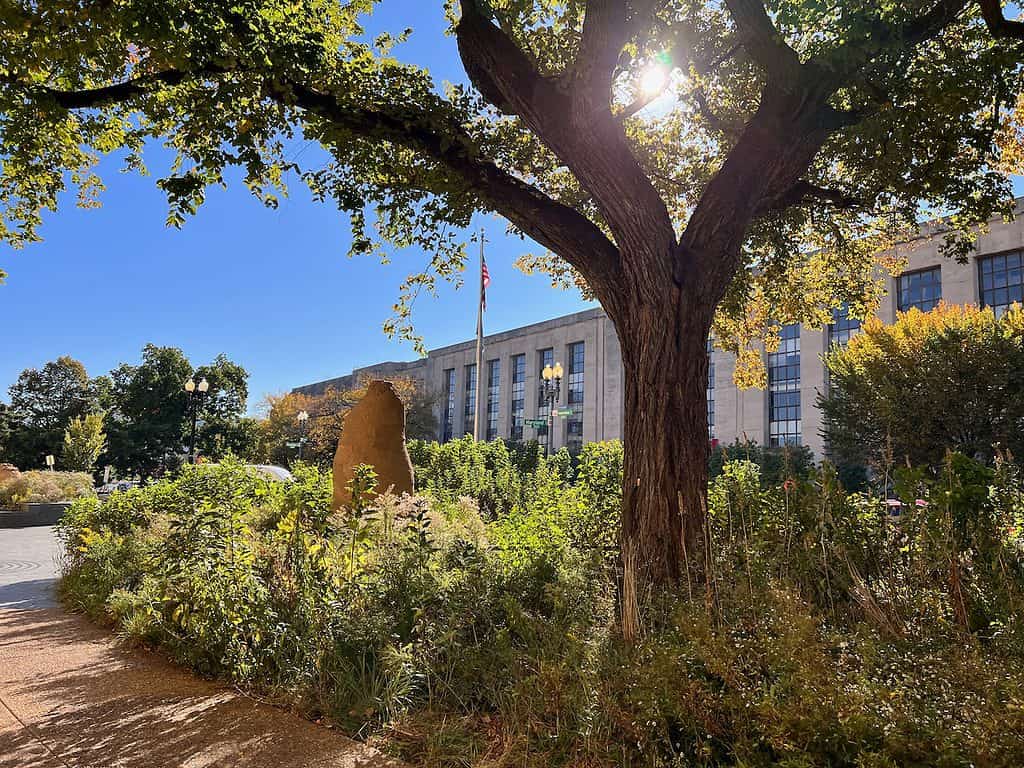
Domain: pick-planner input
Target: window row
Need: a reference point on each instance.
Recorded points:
(1000, 280)
(574, 394)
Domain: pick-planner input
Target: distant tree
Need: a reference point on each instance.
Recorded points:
(43, 402)
(84, 441)
(6, 427)
(229, 389)
(281, 428)
(952, 378)
(239, 437)
(222, 428)
(280, 425)
(150, 417)
(147, 421)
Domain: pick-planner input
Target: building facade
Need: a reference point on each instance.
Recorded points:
(591, 398)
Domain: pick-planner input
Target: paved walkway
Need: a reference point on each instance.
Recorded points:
(71, 697)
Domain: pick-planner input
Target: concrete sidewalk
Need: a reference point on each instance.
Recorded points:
(69, 696)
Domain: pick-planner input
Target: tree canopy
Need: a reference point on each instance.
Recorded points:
(910, 98)
(43, 402)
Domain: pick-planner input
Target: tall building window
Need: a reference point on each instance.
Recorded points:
(711, 391)
(784, 426)
(544, 357)
(448, 431)
(921, 289)
(469, 411)
(493, 392)
(842, 328)
(518, 396)
(1002, 281)
(574, 389)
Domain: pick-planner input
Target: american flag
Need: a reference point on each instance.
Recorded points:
(485, 281)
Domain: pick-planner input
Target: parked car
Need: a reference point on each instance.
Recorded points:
(274, 472)
(118, 485)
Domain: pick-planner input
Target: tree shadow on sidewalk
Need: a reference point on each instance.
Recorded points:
(35, 593)
(98, 705)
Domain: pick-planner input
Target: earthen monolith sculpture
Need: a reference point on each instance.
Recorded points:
(373, 433)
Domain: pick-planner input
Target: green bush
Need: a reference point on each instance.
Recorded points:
(951, 378)
(497, 475)
(776, 465)
(825, 631)
(45, 486)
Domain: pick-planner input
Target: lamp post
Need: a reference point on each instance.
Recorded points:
(302, 418)
(551, 389)
(196, 393)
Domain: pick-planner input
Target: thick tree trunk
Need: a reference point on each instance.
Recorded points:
(666, 449)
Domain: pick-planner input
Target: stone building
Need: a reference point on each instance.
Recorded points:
(592, 387)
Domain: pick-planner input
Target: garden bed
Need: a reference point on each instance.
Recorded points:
(822, 633)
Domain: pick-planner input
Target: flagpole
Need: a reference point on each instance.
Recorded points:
(479, 345)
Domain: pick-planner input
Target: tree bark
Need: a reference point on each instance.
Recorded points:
(664, 500)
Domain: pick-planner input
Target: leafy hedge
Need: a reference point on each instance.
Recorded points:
(827, 630)
(45, 486)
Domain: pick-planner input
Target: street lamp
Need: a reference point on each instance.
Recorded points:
(196, 393)
(302, 418)
(550, 390)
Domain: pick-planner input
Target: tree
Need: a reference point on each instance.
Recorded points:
(149, 416)
(949, 379)
(43, 401)
(792, 131)
(280, 425)
(149, 404)
(223, 430)
(6, 429)
(84, 441)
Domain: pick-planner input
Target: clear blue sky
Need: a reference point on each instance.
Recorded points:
(273, 290)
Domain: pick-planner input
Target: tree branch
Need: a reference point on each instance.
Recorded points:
(706, 112)
(92, 98)
(998, 24)
(486, 50)
(607, 26)
(556, 226)
(765, 44)
(553, 225)
(576, 126)
(803, 190)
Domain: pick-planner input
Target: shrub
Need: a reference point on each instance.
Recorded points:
(775, 464)
(950, 378)
(44, 486)
(498, 475)
(826, 631)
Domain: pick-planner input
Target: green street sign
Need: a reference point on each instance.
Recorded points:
(563, 412)
(537, 423)
(293, 444)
